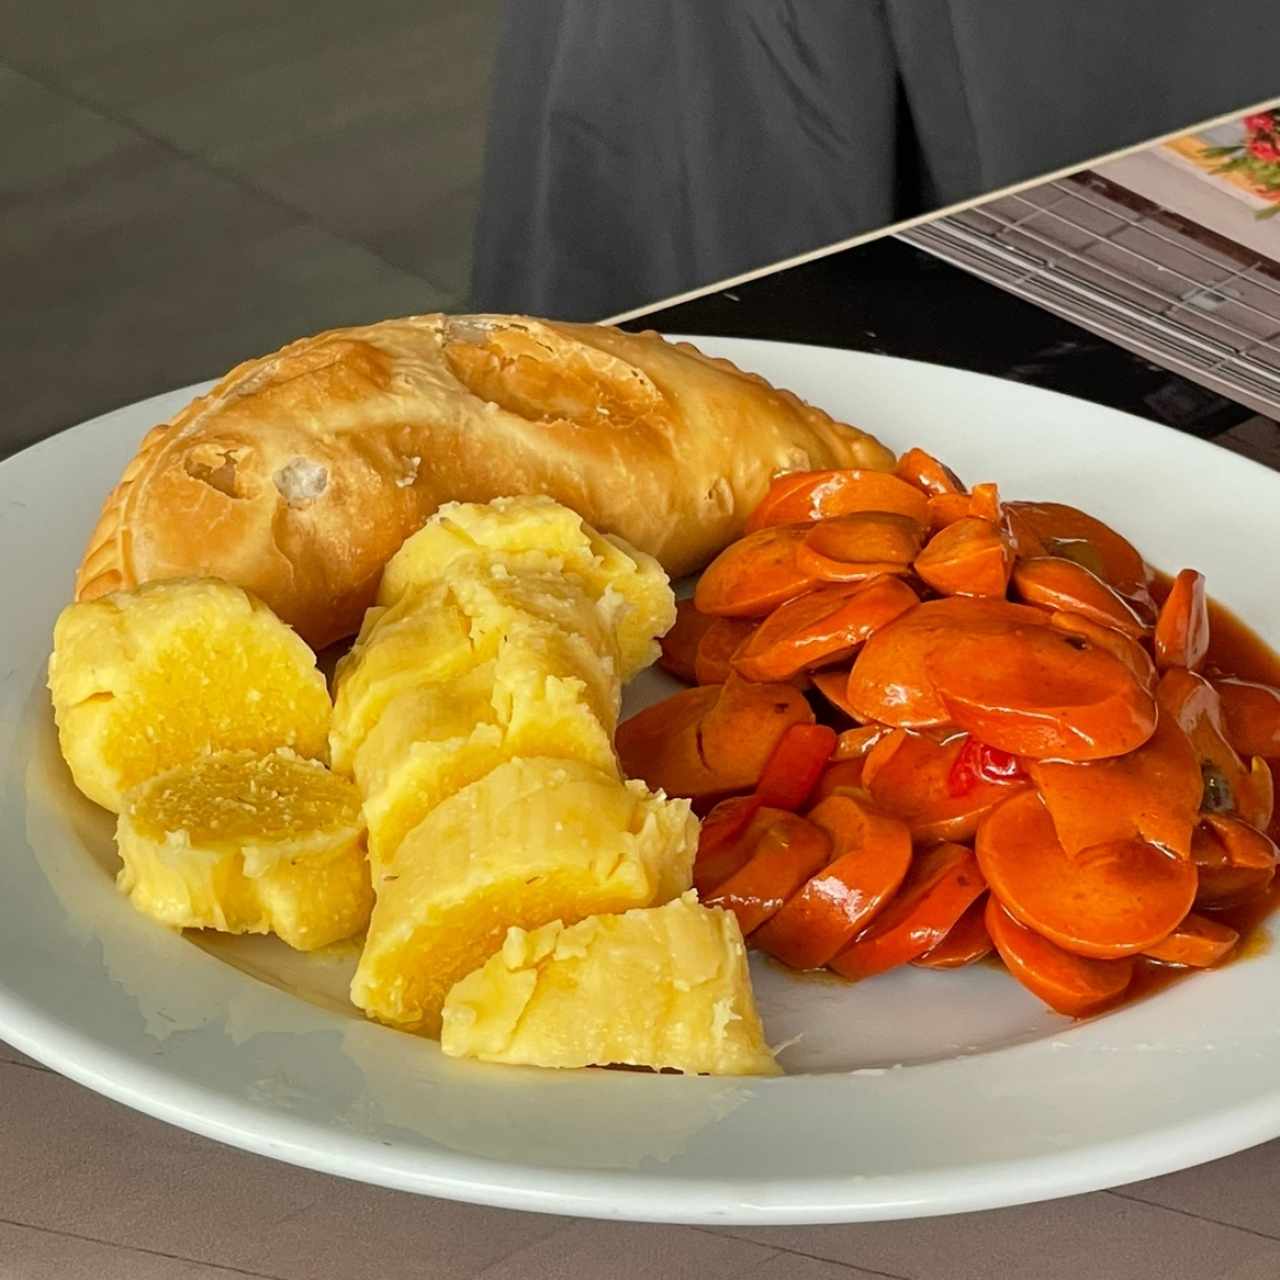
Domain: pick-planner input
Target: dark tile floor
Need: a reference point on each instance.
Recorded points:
(183, 185)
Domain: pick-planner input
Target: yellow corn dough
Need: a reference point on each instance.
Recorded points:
(148, 679)
(245, 843)
(667, 988)
(532, 841)
(424, 637)
(542, 695)
(538, 535)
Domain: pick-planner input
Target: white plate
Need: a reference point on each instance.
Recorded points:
(916, 1093)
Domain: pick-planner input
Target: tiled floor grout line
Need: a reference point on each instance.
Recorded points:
(778, 1251)
(520, 1248)
(1187, 1213)
(134, 1248)
(294, 1214)
(28, 1066)
(247, 186)
(773, 1252)
(800, 1253)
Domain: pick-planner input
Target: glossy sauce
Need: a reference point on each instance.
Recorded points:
(1248, 920)
(1237, 650)
(1234, 649)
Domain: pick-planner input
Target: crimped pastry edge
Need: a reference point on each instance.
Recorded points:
(106, 564)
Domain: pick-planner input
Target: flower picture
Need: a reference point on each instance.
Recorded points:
(1255, 159)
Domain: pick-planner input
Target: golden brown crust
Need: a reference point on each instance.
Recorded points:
(301, 473)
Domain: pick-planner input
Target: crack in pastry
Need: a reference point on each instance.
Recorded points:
(299, 475)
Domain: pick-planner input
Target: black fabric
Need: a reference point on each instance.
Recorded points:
(638, 148)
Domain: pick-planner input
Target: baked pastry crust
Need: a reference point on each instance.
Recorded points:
(300, 474)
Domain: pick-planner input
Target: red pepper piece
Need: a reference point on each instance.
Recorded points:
(977, 763)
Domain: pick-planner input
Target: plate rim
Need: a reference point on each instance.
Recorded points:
(639, 1196)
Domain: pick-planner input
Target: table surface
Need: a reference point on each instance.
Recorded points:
(90, 1189)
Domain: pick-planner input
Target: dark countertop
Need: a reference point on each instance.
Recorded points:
(888, 297)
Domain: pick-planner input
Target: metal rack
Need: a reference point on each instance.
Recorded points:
(1124, 270)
